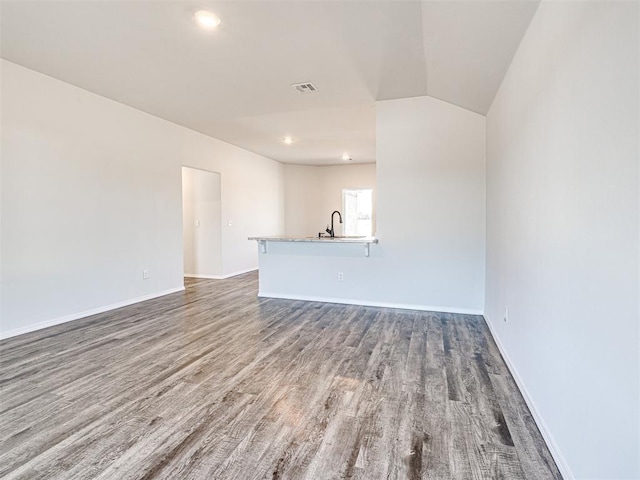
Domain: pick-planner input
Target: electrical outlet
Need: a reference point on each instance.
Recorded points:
(340, 276)
(145, 274)
(506, 314)
(197, 223)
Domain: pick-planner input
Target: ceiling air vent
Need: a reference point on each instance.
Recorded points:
(306, 87)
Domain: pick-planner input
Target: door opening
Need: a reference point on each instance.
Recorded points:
(201, 223)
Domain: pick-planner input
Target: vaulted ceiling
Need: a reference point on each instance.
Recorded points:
(234, 82)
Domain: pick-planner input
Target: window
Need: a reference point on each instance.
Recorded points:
(358, 212)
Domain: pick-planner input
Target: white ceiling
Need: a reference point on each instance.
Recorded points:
(234, 83)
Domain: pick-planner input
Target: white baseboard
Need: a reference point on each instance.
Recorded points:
(561, 462)
(368, 303)
(220, 277)
(210, 277)
(87, 313)
(240, 272)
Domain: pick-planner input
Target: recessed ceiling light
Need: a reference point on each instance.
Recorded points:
(207, 20)
(346, 157)
(287, 140)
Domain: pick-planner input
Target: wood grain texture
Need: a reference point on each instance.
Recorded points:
(214, 383)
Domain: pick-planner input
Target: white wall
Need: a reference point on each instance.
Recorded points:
(201, 223)
(91, 196)
(252, 196)
(313, 192)
(302, 205)
(563, 192)
(430, 220)
(431, 201)
(1, 195)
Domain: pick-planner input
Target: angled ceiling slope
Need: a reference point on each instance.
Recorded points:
(235, 83)
(469, 45)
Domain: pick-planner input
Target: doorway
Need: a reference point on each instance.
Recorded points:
(201, 223)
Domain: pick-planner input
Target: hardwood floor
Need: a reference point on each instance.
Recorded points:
(214, 383)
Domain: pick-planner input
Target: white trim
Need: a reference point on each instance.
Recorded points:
(240, 272)
(211, 277)
(86, 313)
(369, 303)
(220, 277)
(556, 453)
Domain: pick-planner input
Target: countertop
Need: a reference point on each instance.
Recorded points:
(327, 239)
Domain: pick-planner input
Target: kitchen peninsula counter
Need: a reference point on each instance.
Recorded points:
(315, 268)
(363, 240)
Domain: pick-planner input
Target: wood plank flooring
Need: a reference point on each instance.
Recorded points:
(214, 383)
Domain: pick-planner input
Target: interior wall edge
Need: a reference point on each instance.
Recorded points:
(370, 303)
(210, 277)
(556, 453)
(87, 313)
(239, 272)
(221, 277)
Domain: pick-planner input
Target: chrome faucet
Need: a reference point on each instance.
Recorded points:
(331, 231)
